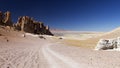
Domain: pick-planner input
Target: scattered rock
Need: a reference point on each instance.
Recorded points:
(24, 35)
(6, 39)
(42, 37)
(60, 38)
(0, 34)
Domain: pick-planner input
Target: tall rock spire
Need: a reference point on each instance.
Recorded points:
(7, 19)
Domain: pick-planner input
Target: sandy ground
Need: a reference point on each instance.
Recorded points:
(34, 52)
(86, 58)
(77, 35)
(80, 36)
(23, 53)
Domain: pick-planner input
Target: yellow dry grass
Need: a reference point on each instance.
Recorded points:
(91, 43)
(82, 43)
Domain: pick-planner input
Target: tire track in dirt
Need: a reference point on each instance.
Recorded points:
(21, 62)
(27, 58)
(50, 59)
(16, 59)
(65, 60)
(8, 63)
(10, 55)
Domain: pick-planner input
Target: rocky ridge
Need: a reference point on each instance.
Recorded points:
(25, 24)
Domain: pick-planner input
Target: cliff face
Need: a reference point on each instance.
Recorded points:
(1, 18)
(29, 25)
(24, 23)
(5, 19)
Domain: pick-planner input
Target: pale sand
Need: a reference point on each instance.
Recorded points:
(33, 52)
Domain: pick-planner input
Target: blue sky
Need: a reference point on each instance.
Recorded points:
(78, 15)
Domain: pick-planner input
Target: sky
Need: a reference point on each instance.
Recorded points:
(77, 15)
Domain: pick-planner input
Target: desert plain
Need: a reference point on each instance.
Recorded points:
(67, 50)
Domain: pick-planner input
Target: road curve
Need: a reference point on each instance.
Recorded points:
(34, 55)
(52, 56)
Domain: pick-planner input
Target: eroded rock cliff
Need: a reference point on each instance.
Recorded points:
(24, 23)
(5, 19)
(29, 25)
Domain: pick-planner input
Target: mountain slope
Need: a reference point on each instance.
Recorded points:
(112, 34)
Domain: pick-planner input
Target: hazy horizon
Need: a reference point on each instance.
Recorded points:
(77, 15)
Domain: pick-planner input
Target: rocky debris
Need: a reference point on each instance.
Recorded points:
(42, 37)
(27, 24)
(0, 34)
(60, 38)
(5, 19)
(24, 35)
(6, 39)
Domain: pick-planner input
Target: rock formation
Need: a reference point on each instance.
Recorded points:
(5, 19)
(24, 23)
(105, 44)
(29, 25)
(1, 18)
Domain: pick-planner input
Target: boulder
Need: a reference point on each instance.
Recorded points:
(118, 42)
(105, 44)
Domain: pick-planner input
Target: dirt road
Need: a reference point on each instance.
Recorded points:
(21, 56)
(41, 53)
(28, 54)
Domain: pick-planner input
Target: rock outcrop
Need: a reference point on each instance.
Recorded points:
(27, 24)
(1, 18)
(5, 19)
(105, 44)
(24, 23)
